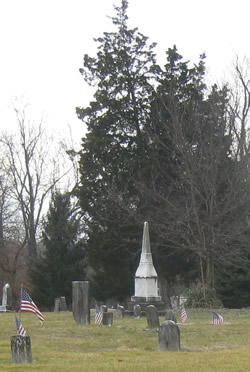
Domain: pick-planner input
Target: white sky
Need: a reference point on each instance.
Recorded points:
(43, 43)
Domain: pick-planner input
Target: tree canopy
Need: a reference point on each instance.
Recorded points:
(161, 147)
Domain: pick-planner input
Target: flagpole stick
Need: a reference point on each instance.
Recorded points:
(20, 312)
(16, 327)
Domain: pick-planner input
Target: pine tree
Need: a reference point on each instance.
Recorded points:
(113, 151)
(63, 258)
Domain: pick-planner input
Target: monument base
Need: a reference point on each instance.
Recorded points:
(160, 305)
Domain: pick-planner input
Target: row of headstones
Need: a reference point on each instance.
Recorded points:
(168, 331)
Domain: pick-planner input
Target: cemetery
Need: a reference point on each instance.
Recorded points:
(147, 335)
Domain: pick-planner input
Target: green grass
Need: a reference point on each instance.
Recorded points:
(63, 345)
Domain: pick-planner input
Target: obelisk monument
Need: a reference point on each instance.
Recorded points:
(146, 279)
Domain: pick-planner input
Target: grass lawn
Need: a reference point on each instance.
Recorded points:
(63, 345)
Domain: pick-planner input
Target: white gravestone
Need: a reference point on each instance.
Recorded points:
(5, 300)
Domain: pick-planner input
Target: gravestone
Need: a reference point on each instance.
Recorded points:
(80, 302)
(104, 308)
(137, 311)
(60, 304)
(120, 311)
(63, 305)
(6, 298)
(152, 317)
(170, 315)
(21, 349)
(107, 319)
(57, 305)
(169, 336)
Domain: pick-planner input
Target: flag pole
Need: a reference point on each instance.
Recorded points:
(20, 312)
(16, 326)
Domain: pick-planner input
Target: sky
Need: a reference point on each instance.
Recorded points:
(43, 43)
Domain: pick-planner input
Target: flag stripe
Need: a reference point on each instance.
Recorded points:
(183, 314)
(98, 315)
(20, 330)
(27, 305)
(217, 319)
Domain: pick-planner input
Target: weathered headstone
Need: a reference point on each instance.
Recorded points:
(152, 317)
(120, 311)
(21, 349)
(57, 305)
(137, 311)
(63, 305)
(6, 298)
(169, 336)
(170, 315)
(60, 304)
(107, 318)
(80, 302)
(104, 308)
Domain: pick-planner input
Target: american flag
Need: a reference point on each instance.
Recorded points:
(98, 315)
(19, 328)
(28, 305)
(183, 314)
(217, 318)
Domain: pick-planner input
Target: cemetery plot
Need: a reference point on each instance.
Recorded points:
(62, 344)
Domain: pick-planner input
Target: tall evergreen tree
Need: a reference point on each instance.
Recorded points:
(63, 258)
(113, 151)
(159, 147)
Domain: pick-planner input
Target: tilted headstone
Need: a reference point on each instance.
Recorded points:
(152, 317)
(107, 318)
(137, 311)
(120, 311)
(169, 336)
(170, 315)
(80, 302)
(21, 349)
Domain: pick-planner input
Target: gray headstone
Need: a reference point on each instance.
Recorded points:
(63, 305)
(120, 311)
(107, 318)
(104, 308)
(21, 349)
(6, 298)
(169, 336)
(137, 311)
(57, 305)
(170, 315)
(9, 298)
(152, 317)
(80, 302)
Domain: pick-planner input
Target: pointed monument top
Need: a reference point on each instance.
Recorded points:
(146, 267)
(145, 239)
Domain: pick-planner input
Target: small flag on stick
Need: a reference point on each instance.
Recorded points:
(183, 314)
(27, 305)
(98, 314)
(217, 318)
(19, 328)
